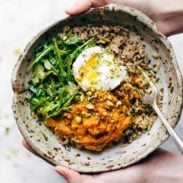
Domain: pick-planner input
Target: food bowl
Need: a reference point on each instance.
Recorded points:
(45, 143)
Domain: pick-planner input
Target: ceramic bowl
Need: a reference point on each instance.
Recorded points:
(44, 142)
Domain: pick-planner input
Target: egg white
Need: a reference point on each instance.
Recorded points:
(96, 68)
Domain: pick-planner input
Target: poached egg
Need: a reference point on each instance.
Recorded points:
(97, 68)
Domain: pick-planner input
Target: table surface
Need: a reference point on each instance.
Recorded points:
(19, 21)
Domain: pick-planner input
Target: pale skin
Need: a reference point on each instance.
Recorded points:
(161, 166)
(167, 14)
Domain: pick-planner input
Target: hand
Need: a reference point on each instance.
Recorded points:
(84, 5)
(161, 166)
(167, 14)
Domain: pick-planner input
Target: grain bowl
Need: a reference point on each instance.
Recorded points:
(78, 90)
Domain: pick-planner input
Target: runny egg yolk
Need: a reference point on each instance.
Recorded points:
(96, 68)
(88, 71)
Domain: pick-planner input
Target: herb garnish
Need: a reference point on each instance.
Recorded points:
(52, 85)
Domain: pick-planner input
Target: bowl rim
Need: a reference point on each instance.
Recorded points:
(142, 18)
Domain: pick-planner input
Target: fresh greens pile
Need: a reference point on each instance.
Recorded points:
(52, 84)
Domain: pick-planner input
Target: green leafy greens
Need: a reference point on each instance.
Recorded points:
(52, 84)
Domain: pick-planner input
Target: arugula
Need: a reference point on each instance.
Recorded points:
(52, 85)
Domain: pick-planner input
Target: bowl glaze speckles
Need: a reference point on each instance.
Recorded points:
(44, 142)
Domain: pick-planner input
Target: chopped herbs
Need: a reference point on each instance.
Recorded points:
(52, 85)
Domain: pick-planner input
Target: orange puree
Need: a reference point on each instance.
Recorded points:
(94, 123)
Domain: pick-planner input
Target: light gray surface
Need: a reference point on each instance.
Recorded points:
(177, 42)
(19, 21)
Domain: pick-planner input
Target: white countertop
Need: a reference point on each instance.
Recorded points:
(20, 20)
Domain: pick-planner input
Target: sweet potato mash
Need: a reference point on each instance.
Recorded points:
(95, 122)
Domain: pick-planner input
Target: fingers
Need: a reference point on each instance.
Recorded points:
(70, 175)
(27, 146)
(85, 5)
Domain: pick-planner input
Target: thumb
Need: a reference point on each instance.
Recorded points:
(82, 6)
(70, 175)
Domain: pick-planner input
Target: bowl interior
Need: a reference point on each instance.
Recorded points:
(44, 141)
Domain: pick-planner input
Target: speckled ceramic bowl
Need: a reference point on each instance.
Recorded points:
(44, 142)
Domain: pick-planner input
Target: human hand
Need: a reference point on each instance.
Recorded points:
(161, 166)
(167, 14)
(84, 5)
